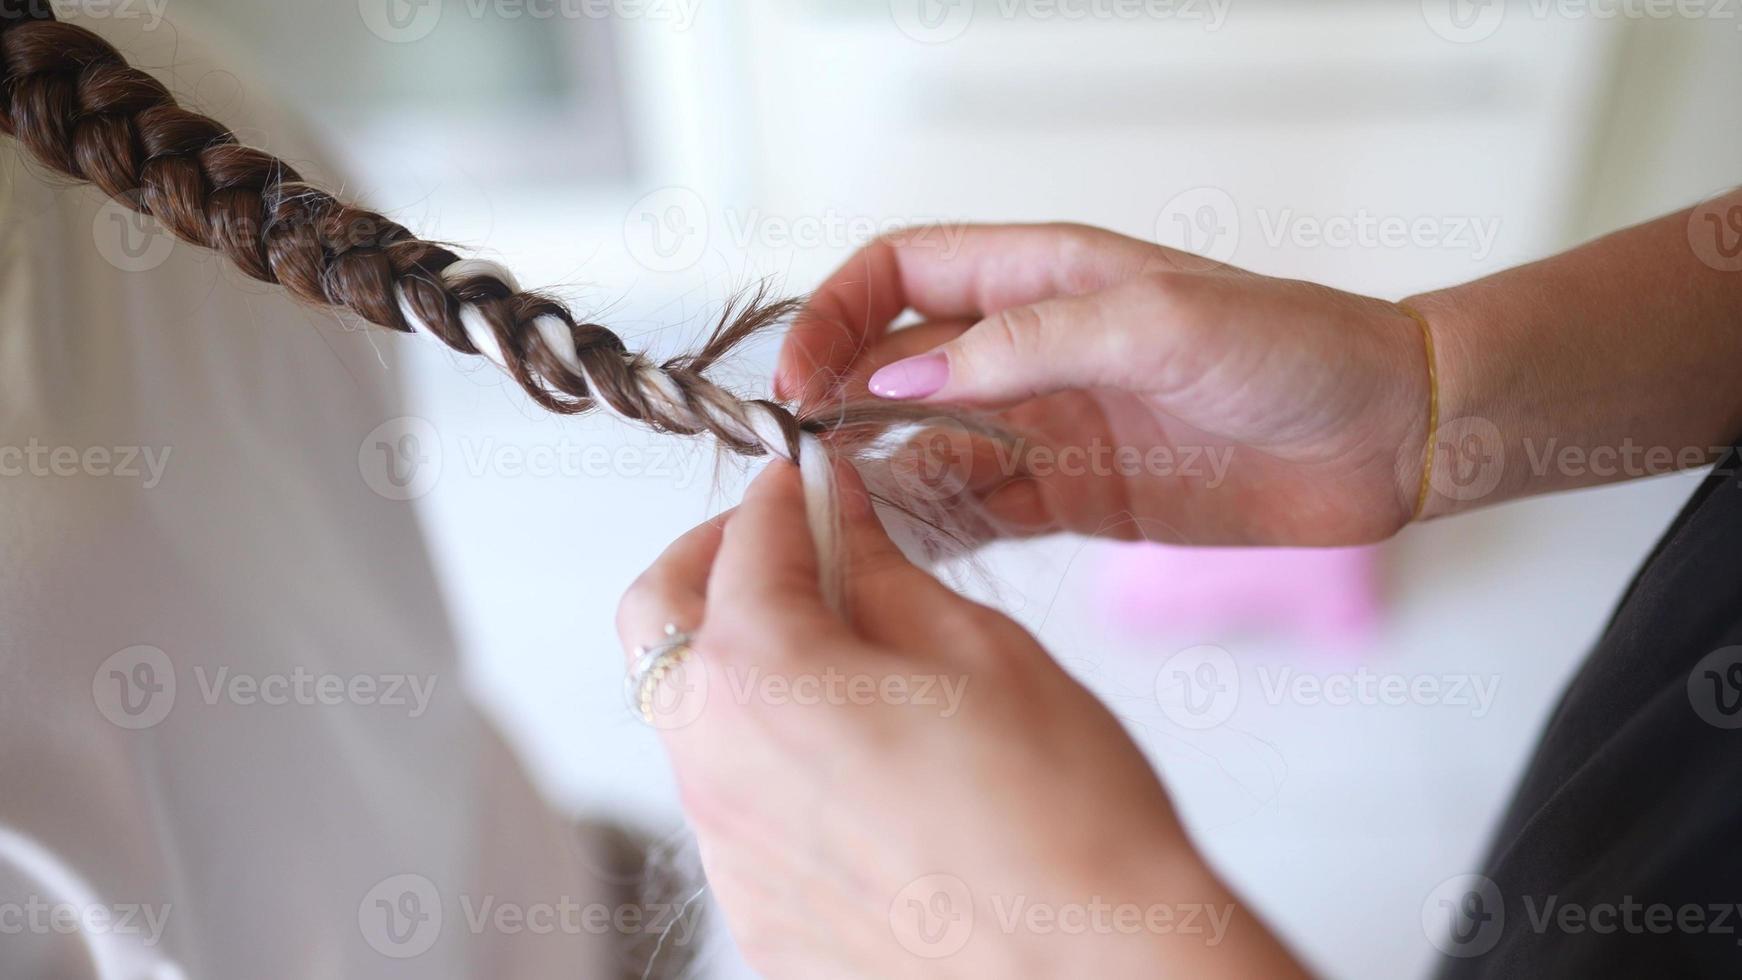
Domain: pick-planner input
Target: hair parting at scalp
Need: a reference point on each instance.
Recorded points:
(71, 99)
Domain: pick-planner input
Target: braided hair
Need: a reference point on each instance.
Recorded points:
(74, 103)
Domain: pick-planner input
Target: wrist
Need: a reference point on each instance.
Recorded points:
(1212, 933)
(1460, 455)
(1603, 364)
(1169, 914)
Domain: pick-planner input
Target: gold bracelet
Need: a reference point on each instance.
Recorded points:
(1433, 409)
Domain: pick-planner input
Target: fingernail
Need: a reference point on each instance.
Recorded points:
(915, 377)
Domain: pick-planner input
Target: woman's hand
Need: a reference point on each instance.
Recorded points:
(1170, 399)
(916, 790)
(1161, 398)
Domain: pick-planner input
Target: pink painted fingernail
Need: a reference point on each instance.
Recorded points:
(915, 377)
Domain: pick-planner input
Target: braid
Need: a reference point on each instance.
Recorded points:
(76, 105)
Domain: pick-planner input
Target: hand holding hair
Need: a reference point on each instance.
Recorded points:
(845, 838)
(1155, 395)
(845, 773)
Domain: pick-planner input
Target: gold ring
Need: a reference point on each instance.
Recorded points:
(653, 664)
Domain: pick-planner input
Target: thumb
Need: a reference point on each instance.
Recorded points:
(1027, 351)
(890, 600)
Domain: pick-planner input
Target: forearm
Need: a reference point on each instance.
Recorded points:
(1612, 361)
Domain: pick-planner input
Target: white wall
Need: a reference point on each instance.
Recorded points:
(776, 117)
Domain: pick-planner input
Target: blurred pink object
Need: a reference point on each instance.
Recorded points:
(1329, 594)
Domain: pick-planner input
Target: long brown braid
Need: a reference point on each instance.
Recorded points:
(71, 99)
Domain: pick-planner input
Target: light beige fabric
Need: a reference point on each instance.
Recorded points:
(217, 513)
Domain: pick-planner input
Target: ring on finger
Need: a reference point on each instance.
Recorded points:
(653, 664)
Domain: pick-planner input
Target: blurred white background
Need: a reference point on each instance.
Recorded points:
(647, 158)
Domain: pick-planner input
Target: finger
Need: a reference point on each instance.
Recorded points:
(672, 590)
(1020, 508)
(898, 345)
(890, 601)
(946, 271)
(1118, 338)
(765, 587)
(766, 571)
(866, 546)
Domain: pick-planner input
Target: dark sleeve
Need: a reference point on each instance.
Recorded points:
(1621, 854)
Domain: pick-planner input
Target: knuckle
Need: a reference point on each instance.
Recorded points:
(1160, 305)
(785, 653)
(1160, 289)
(876, 594)
(1079, 262)
(723, 633)
(1011, 333)
(768, 635)
(929, 235)
(902, 234)
(980, 632)
(624, 623)
(881, 566)
(1090, 258)
(639, 603)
